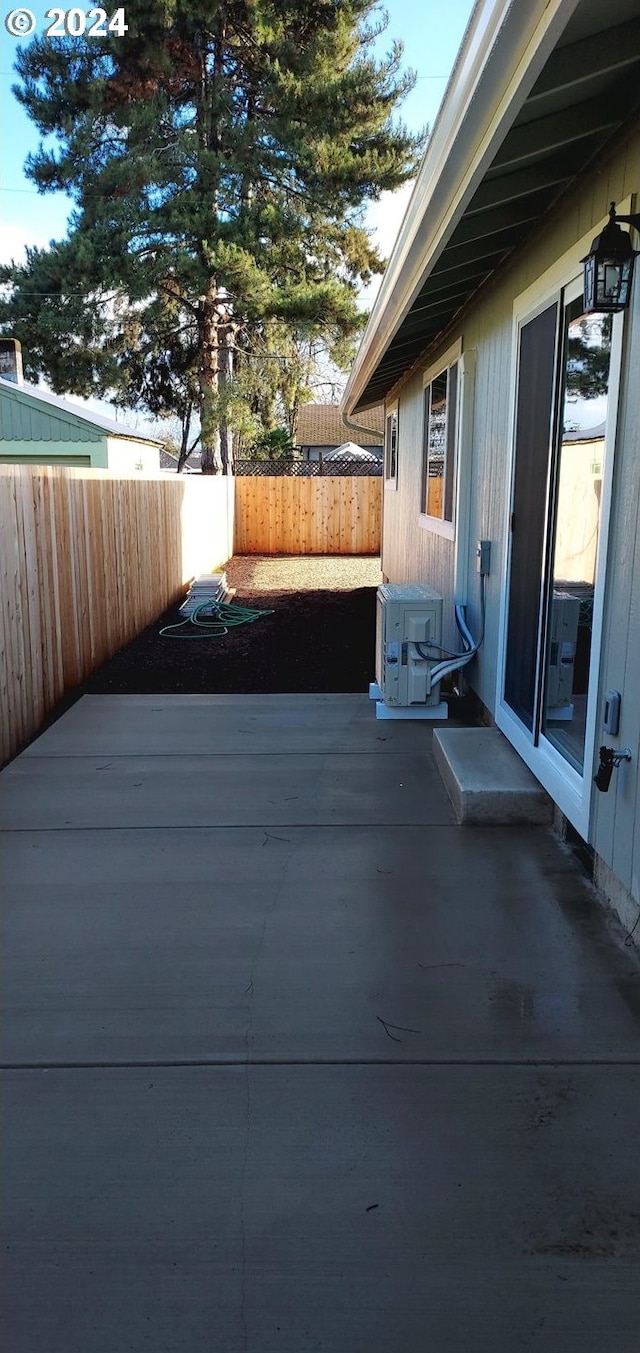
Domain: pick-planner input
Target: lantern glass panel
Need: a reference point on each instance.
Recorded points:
(625, 283)
(610, 279)
(589, 284)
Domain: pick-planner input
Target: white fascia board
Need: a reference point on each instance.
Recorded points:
(506, 46)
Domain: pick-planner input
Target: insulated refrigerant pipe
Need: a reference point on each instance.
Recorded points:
(471, 645)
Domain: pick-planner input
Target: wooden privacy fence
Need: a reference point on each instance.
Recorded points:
(282, 515)
(87, 560)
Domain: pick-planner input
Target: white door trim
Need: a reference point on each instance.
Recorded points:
(570, 791)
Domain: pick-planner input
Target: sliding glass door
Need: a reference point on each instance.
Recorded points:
(566, 400)
(577, 510)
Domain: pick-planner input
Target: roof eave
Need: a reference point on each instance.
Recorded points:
(504, 50)
(133, 436)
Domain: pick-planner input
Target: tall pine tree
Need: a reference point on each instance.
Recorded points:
(220, 156)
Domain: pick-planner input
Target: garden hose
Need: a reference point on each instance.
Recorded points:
(225, 617)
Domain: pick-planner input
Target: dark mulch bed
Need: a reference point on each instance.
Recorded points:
(313, 641)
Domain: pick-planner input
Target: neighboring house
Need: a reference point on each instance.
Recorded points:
(38, 428)
(479, 347)
(169, 461)
(320, 429)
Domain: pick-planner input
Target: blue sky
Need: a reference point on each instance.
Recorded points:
(430, 31)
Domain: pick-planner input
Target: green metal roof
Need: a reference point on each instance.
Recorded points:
(25, 419)
(29, 414)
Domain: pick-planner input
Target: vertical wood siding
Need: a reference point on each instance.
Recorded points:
(327, 515)
(86, 561)
(617, 814)
(412, 554)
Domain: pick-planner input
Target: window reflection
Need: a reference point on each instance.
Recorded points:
(440, 399)
(392, 446)
(587, 359)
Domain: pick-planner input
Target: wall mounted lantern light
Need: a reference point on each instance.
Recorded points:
(608, 267)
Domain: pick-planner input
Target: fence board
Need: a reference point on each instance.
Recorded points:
(16, 614)
(27, 580)
(323, 515)
(87, 559)
(47, 589)
(11, 656)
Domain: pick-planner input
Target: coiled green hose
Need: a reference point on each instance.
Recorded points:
(226, 617)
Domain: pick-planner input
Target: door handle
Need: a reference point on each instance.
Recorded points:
(609, 759)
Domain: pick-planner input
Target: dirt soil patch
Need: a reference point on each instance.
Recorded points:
(319, 637)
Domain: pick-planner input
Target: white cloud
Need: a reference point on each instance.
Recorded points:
(14, 239)
(384, 219)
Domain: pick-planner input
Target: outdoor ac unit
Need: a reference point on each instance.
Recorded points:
(407, 614)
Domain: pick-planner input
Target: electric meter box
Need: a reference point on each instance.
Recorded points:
(407, 614)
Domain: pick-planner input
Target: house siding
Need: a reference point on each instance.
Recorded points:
(413, 554)
(125, 454)
(32, 433)
(25, 453)
(410, 552)
(55, 451)
(616, 834)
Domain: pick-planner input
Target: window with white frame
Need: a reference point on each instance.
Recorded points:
(440, 437)
(391, 447)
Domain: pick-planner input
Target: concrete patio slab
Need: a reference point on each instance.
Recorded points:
(292, 1061)
(203, 725)
(322, 1207)
(305, 944)
(233, 790)
(486, 780)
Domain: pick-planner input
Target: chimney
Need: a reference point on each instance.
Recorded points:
(11, 360)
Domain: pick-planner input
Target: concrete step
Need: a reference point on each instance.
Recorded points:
(486, 780)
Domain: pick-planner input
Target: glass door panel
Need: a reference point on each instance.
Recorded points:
(586, 360)
(534, 412)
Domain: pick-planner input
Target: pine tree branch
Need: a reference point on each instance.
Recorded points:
(175, 296)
